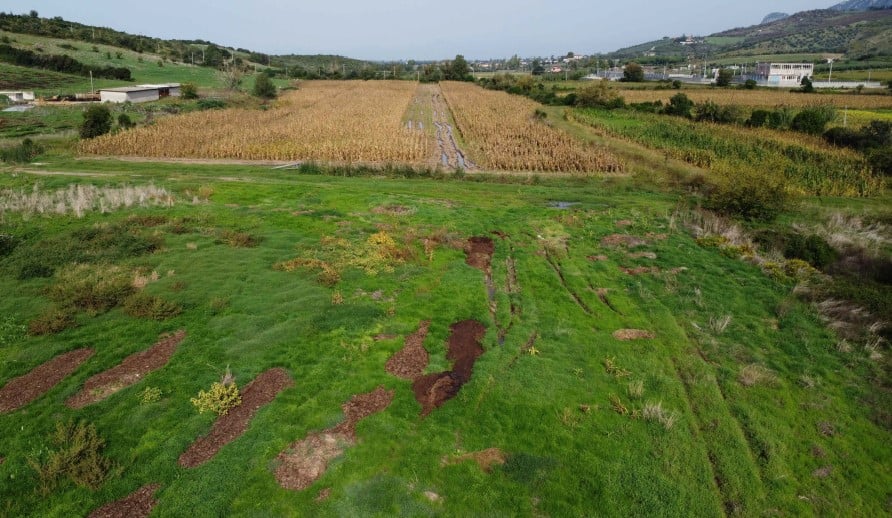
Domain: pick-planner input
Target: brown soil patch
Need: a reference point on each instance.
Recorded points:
(20, 391)
(128, 372)
(478, 252)
(323, 495)
(410, 361)
(623, 223)
(393, 210)
(228, 427)
(486, 459)
(623, 240)
(640, 270)
(306, 460)
(823, 472)
(384, 336)
(135, 505)
(597, 258)
(632, 334)
(643, 255)
(463, 349)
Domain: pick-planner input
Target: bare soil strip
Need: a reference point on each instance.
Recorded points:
(602, 296)
(632, 334)
(128, 372)
(20, 391)
(464, 348)
(228, 427)
(447, 146)
(306, 460)
(138, 504)
(486, 459)
(410, 361)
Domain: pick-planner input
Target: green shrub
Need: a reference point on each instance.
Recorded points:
(23, 153)
(93, 288)
(264, 87)
(150, 395)
(77, 456)
(597, 94)
(141, 305)
(679, 105)
(712, 112)
(34, 270)
(189, 91)
(813, 120)
(125, 122)
(52, 321)
(813, 249)
(211, 104)
(749, 84)
(240, 239)
(880, 161)
(222, 396)
(8, 243)
(751, 197)
(97, 121)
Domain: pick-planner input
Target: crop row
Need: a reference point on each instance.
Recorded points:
(808, 166)
(501, 131)
(762, 98)
(327, 121)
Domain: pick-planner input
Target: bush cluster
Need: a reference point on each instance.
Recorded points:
(751, 197)
(92, 288)
(142, 305)
(221, 398)
(60, 63)
(77, 456)
(25, 152)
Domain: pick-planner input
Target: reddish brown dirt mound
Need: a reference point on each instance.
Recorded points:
(306, 460)
(20, 391)
(463, 349)
(410, 361)
(478, 252)
(128, 372)
(232, 425)
(135, 505)
(632, 334)
(622, 240)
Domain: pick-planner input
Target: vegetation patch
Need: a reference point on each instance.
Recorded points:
(75, 454)
(91, 288)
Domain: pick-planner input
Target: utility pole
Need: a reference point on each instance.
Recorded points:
(92, 91)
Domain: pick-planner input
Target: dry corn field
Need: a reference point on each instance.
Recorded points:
(762, 98)
(335, 121)
(500, 131)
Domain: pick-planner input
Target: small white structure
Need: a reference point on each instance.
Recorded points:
(139, 93)
(19, 97)
(784, 74)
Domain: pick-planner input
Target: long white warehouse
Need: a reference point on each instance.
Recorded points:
(139, 93)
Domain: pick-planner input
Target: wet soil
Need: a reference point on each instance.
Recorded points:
(478, 253)
(128, 372)
(410, 361)
(306, 460)
(464, 348)
(228, 427)
(138, 504)
(20, 391)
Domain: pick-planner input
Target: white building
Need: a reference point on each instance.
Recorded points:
(139, 93)
(783, 74)
(19, 97)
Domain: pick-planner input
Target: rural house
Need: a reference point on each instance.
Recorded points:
(139, 93)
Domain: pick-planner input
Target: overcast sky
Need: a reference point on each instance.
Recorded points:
(419, 29)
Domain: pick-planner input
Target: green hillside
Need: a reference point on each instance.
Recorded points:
(856, 35)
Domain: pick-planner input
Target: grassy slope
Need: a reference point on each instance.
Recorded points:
(145, 71)
(732, 448)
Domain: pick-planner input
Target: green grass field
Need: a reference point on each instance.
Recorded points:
(573, 409)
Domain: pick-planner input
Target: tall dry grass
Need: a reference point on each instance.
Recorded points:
(79, 199)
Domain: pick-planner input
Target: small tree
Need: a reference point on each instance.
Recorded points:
(97, 121)
(813, 120)
(681, 105)
(231, 75)
(807, 87)
(124, 121)
(458, 70)
(750, 84)
(264, 87)
(724, 77)
(598, 95)
(189, 91)
(633, 73)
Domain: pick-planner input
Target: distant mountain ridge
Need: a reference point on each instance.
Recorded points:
(862, 5)
(774, 17)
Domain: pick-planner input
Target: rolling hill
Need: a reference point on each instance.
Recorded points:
(856, 35)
